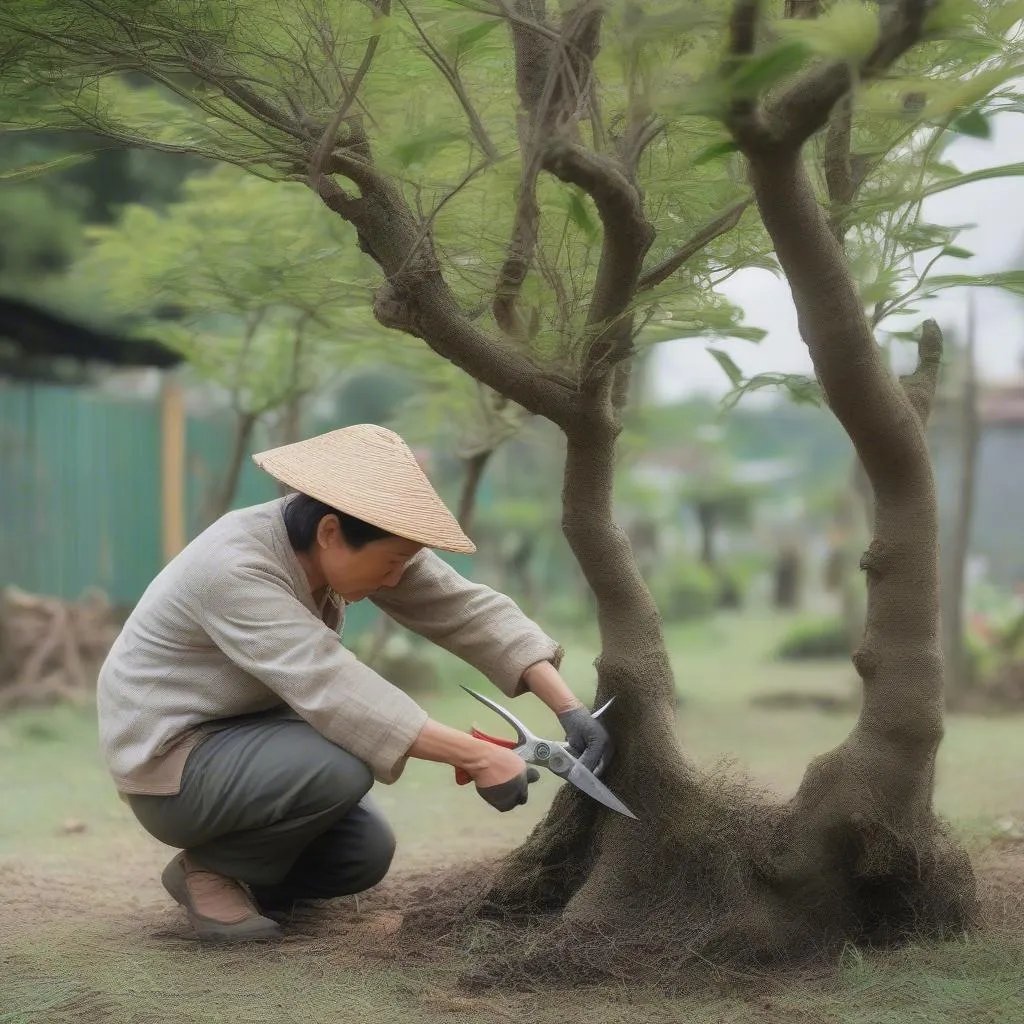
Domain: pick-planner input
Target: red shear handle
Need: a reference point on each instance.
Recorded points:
(462, 777)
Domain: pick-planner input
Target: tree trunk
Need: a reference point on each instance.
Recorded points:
(558, 868)
(958, 678)
(787, 579)
(862, 836)
(712, 871)
(245, 423)
(291, 421)
(707, 520)
(708, 516)
(475, 466)
(291, 430)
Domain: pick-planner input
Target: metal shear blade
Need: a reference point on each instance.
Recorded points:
(557, 757)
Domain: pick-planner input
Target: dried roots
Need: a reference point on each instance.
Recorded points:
(674, 904)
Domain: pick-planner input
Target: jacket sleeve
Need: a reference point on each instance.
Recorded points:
(482, 627)
(257, 621)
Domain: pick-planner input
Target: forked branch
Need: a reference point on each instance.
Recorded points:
(416, 299)
(715, 228)
(802, 109)
(317, 162)
(554, 81)
(554, 78)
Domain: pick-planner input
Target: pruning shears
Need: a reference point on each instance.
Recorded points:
(556, 757)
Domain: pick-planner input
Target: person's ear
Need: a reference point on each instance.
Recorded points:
(328, 532)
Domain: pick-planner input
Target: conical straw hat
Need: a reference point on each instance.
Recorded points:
(369, 472)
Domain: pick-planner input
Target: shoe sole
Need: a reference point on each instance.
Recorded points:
(252, 929)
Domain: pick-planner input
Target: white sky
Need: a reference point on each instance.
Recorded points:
(996, 211)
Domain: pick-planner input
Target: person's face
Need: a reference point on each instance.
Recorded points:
(353, 574)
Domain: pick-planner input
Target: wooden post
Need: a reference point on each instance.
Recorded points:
(172, 466)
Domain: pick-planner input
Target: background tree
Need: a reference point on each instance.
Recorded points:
(959, 673)
(266, 297)
(609, 94)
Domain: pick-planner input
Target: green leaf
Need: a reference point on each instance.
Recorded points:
(972, 123)
(882, 288)
(949, 17)
(724, 360)
(416, 150)
(1010, 280)
(708, 97)
(1006, 17)
(846, 31)
(465, 41)
(30, 171)
(579, 214)
(800, 389)
(985, 174)
(956, 252)
(757, 73)
(710, 153)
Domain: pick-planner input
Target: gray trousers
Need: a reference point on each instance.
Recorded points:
(275, 805)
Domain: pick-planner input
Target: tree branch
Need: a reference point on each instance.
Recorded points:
(805, 107)
(802, 109)
(838, 167)
(553, 80)
(744, 117)
(318, 160)
(451, 74)
(921, 384)
(548, 76)
(715, 228)
(627, 237)
(519, 256)
(639, 138)
(415, 298)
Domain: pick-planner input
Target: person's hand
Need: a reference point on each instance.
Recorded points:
(588, 739)
(503, 781)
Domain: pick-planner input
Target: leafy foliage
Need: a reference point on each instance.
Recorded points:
(229, 86)
(814, 639)
(262, 293)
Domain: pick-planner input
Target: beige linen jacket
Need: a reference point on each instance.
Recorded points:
(230, 628)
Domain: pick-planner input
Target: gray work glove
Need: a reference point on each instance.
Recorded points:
(512, 793)
(588, 739)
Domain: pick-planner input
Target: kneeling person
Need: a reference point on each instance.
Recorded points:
(241, 731)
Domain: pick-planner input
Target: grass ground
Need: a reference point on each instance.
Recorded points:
(87, 934)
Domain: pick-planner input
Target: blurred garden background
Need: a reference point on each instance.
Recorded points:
(163, 315)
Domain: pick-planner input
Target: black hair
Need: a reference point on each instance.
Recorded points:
(302, 515)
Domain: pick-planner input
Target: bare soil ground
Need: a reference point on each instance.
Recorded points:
(89, 937)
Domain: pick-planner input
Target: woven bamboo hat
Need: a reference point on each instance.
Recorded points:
(369, 472)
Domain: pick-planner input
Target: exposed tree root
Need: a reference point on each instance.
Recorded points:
(714, 893)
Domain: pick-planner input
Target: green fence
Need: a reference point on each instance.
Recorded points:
(80, 491)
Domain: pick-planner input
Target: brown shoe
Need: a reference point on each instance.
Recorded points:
(219, 908)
